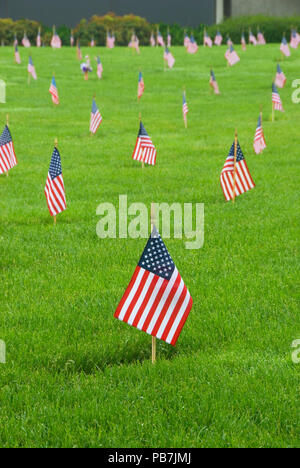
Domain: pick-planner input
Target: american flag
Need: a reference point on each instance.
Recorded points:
(237, 177)
(213, 82)
(15, 40)
(25, 41)
(280, 78)
(156, 300)
(39, 40)
(152, 40)
(192, 46)
(55, 189)
(207, 40)
(169, 39)
(229, 41)
(31, 68)
(134, 43)
(243, 42)
(295, 39)
(160, 40)
(79, 54)
(232, 56)
(110, 40)
(169, 58)
(141, 86)
(7, 152)
(185, 108)
(96, 118)
(144, 150)
(260, 38)
(284, 47)
(53, 91)
(17, 55)
(99, 67)
(92, 42)
(277, 104)
(259, 139)
(186, 40)
(252, 38)
(55, 41)
(71, 39)
(218, 39)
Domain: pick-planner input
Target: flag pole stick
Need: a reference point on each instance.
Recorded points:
(7, 123)
(234, 166)
(153, 220)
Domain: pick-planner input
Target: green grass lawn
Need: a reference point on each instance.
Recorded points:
(75, 376)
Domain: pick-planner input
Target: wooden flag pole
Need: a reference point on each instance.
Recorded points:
(153, 220)
(234, 166)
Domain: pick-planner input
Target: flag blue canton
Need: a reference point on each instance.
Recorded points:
(274, 89)
(53, 82)
(140, 76)
(55, 169)
(156, 257)
(94, 107)
(239, 153)
(5, 137)
(142, 131)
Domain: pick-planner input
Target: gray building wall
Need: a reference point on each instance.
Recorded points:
(268, 7)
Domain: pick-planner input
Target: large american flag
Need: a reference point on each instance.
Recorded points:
(252, 38)
(144, 150)
(141, 86)
(17, 55)
(280, 78)
(55, 189)
(238, 176)
(277, 104)
(169, 58)
(7, 152)
(231, 56)
(156, 300)
(99, 67)
(192, 46)
(31, 69)
(213, 82)
(53, 91)
(96, 118)
(218, 39)
(284, 47)
(259, 139)
(185, 108)
(207, 40)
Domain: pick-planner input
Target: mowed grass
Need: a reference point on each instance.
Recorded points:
(75, 376)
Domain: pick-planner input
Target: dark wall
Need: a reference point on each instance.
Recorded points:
(70, 12)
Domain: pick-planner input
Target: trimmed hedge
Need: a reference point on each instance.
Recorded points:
(123, 26)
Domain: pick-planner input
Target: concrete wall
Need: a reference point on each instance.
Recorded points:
(268, 7)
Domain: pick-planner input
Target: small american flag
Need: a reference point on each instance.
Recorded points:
(284, 47)
(7, 152)
(237, 177)
(99, 67)
(17, 55)
(207, 40)
(152, 40)
(295, 39)
(110, 40)
(79, 54)
(185, 109)
(231, 56)
(53, 91)
(280, 78)
(55, 189)
(252, 38)
(186, 40)
(229, 41)
(243, 42)
(192, 46)
(71, 40)
(25, 41)
(169, 58)
(169, 39)
(39, 40)
(55, 41)
(144, 150)
(213, 82)
(259, 139)
(141, 86)
(31, 68)
(92, 42)
(218, 39)
(261, 38)
(134, 43)
(15, 40)
(160, 40)
(96, 118)
(156, 300)
(277, 104)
